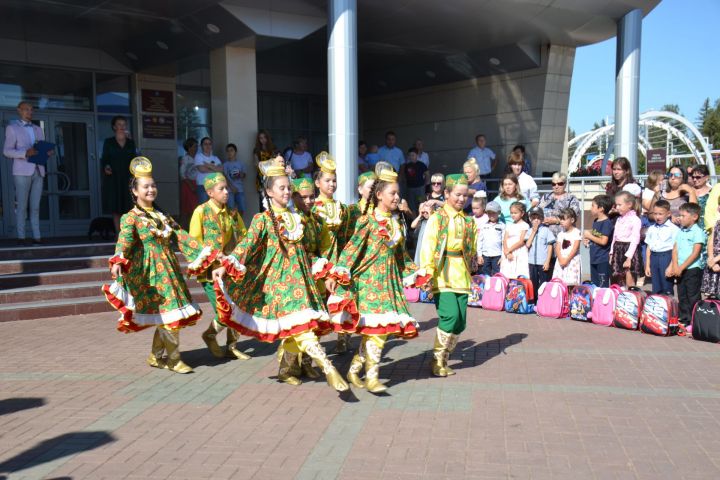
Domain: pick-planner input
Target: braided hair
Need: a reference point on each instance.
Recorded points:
(372, 199)
(276, 225)
(158, 223)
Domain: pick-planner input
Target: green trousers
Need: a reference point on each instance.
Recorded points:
(210, 291)
(452, 311)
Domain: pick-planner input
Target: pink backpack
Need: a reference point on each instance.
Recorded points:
(412, 294)
(495, 290)
(553, 299)
(604, 304)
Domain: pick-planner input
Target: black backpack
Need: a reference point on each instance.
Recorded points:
(706, 320)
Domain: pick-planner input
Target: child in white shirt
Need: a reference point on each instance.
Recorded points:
(489, 240)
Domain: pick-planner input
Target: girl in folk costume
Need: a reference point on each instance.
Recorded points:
(334, 220)
(447, 251)
(213, 223)
(366, 181)
(371, 272)
(149, 289)
(271, 294)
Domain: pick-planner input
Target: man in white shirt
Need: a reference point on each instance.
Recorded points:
(300, 159)
(421, 153)
(20, 139)
(484, 156)
(390, 153)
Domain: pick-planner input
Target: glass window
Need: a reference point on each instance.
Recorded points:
(193, 115)
(112, 93)
(45, 88)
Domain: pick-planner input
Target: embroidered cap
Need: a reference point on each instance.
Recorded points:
(325, 162)
(388, 176)
(455, 179)
(141, 167)
(272, 168)
(364, 177)
(303, 183)
(213, 179)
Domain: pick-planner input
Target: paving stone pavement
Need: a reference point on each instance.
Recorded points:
(533, 398)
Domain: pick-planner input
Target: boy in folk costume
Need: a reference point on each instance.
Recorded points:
(149, 288)
(213, 223)
(269, 292)
(334, 220)
(447, 251)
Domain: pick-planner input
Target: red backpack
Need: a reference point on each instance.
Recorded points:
(660, 315)
(629, 307)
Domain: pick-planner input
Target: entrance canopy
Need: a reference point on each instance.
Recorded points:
(402, 45)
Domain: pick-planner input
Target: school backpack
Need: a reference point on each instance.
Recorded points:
(477, 288)
(581, 299)
(629, 307)
(494, 294)
(706, 320)
(426, 296)
(553, 299)
(660, 315)
(412, 294)
(520, 296)
(603, 306)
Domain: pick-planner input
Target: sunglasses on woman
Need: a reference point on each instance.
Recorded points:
(437, 183)
(558, 184)
(674, 174)
(698, 177)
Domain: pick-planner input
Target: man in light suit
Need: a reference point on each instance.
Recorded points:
(20, 138)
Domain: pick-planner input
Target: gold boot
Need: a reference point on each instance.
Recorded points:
(373, 346)
(309, 345)
(437, 363)
(171, 340)
(156, 354)
(355, 368)
(288, 356)
(232, 350)
(342, 343)
(451, 344)
(307, 367)
(209, 336)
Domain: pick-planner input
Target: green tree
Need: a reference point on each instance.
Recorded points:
(711, 125)
(704, 112)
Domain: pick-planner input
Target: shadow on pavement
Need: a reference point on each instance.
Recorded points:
(55, 448)
(12, 405)
(417, 367)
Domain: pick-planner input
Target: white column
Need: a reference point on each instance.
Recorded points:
(233, 88)
(342, 94)
(627, 86)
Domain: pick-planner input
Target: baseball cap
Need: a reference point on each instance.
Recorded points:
(493, 207)
(537, 211)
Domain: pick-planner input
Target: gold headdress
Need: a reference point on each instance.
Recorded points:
(141, 167)
(325, 162)
(385, 172)
(272, 168)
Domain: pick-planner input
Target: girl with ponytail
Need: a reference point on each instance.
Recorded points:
(265, 287)
(367, 283)
(149, 288)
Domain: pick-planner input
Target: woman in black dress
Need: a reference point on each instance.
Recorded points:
(117, 153)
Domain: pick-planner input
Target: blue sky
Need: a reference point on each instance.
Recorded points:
(680, 63)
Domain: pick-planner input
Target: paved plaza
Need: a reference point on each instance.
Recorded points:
(533, 398)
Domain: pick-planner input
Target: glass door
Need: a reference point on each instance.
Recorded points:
(72, 178)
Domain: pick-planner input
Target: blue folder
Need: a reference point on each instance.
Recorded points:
(43, 149)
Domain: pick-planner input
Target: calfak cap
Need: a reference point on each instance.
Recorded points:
(493, 207)
(536, 211)
(633, 189)
(480, 194)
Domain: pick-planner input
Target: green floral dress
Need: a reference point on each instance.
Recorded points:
(151, 290)
(333, 218)
(371, 272)
(270, 293)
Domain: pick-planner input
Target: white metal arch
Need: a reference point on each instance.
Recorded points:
(586, 139)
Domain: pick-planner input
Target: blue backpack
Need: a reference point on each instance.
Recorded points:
(477, 288)
(519, 296)
(426, 296)
(581, 300)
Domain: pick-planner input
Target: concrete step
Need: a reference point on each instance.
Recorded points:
(52, 264)
(62, 290)
(56, 251)
(67, 306)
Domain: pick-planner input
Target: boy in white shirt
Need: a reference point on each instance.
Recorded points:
(489, 240)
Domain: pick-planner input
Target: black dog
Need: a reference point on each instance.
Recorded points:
(104, 226)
